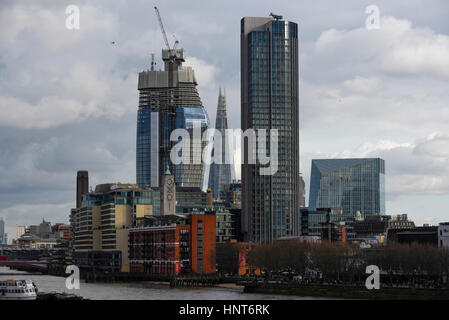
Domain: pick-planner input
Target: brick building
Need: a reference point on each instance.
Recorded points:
(183, 246)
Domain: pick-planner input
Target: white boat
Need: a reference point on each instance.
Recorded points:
(17, 290)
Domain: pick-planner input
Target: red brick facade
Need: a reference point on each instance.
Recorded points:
(174, 249)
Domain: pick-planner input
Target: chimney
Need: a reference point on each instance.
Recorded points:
(82, 186)
(209, 198)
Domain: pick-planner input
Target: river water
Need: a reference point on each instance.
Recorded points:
(140, 290)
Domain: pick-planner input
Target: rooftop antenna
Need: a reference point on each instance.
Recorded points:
(276, 16)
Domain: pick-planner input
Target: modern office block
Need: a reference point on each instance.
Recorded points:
(356, 185)
(220, 173)
(313, 222)
(231, 196)
(269, 100)
(169, 100)
(103, 221)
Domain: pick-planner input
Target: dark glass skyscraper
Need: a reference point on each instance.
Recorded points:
(269, 100)
(352, 184)
(220, 173)
(168, 100)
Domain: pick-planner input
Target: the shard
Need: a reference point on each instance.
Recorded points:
(220, 173)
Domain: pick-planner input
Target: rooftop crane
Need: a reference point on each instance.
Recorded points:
(171, 50)
(276, 16)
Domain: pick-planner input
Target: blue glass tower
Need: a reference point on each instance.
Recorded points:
(270, 100)
(352, 184)
(168, 100)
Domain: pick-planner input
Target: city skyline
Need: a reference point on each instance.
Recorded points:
(355, 101)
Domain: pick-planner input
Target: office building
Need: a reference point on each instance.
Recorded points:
(43, 235)
(220, 173)
(352, 184)
(20, 231)
(169, 100)
(228, 224)
(100, 227)
(316, 223)
(63, 230)
(269, 100)
(31, 241)
(378, 225)
(188, 198)
(425, 235)
(232, 194)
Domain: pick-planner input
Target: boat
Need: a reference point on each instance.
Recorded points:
(17, 290)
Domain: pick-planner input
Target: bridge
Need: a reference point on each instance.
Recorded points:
(25, 265)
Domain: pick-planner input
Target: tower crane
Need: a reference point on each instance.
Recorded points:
(276, 16)
(164, 34)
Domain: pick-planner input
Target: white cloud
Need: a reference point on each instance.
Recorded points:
(362, 85)
(48, 27)
(417, 168)
(371, 105)
(418, 52)
(49, 112)
(396, 48)
(205, 73)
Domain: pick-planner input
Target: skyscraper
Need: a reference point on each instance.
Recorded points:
(220, 173)
(269, 100)
(168, 100)
(352, 184)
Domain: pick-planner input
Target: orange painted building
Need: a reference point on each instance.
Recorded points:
(203, 243)
(64, 230)
(342, 234)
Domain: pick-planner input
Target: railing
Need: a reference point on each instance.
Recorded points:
(29, 265)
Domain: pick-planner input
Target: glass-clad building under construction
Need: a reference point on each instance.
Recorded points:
(169, 100)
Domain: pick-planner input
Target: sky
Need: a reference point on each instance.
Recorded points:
(68, 98)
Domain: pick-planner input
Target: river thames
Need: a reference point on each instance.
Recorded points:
(141, 290)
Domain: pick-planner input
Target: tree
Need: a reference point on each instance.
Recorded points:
(227, 257)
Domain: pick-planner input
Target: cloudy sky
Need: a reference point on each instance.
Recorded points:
(68, 98)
